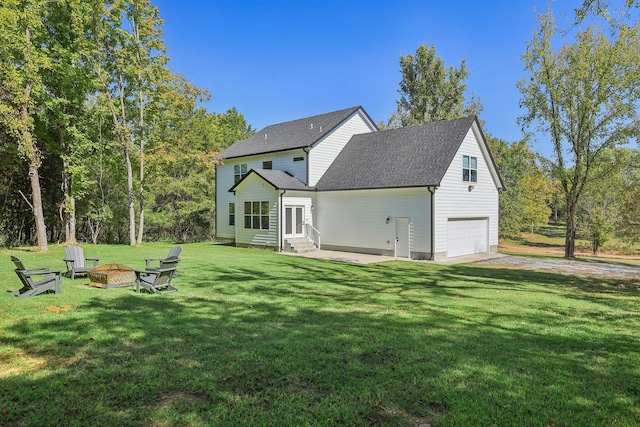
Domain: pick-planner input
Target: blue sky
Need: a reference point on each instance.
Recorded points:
(282, 60)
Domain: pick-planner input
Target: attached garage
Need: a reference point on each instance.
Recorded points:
(466, 236)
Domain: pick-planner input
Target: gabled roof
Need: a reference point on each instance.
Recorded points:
(301, 133)
(280, 180)
(415, 156)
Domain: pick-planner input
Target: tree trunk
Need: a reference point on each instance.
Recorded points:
(30, 148)
(69, 204)
(41, 229)
(132, 211)
(141, 223)
(570, 237)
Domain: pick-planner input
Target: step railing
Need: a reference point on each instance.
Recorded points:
(312, 234)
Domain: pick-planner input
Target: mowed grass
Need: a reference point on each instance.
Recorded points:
(263, 339)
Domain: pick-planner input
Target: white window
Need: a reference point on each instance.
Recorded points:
(238, 172)
(469, 169)
(232, 214)
(256, 215)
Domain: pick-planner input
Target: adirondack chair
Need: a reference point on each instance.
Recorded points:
(50, 280)
(77, 263)
(158, 280)
(173, 252)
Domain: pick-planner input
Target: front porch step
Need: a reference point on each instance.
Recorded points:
(299, 245)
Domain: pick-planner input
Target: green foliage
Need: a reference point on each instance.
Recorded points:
(430, 92)
(86, 100)
(180, 178)
(524, 203)
(627, 222)
(584, 96)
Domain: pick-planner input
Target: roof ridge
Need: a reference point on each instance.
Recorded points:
(310, 117)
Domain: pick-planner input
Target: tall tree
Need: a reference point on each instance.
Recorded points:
(524, 203)
(22, 60)
(584, 96)
(148, 69)
(69, 83)
(127, 56)
(183, 147)
(431, 92)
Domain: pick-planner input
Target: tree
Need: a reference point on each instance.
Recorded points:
(599, 7)
(627, 222)
(128, 65)
(69, 83)
(584, 96)
(429, 92)
(181, 167)
(600, 205)
(22, 60)
(525, 202)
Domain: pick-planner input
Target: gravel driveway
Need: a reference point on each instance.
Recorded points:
(595, 269)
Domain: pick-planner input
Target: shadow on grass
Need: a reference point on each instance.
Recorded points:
(287, 341)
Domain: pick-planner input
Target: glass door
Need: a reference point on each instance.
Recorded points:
(293, 221)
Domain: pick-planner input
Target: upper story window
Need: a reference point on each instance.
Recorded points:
(267, 165)
(469, 169)
(238, 172)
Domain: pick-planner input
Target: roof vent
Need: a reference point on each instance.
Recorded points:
(320, 129)
(265, 136)
(311, 127)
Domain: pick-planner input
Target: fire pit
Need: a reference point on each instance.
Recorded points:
(112, 276)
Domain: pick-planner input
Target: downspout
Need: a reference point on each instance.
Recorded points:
(306, 160)
(432, 191)
(215, 207)
(281, 239)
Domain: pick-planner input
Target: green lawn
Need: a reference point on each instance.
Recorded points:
(255, 338)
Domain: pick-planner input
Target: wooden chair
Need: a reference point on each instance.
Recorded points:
(50, 281)
(158, 280)
(174, 252)
(77, 263)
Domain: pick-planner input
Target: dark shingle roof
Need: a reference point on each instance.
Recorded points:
(413, 156)
(279, 179)
(289, 135)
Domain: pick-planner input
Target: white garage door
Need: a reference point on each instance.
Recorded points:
(466, 237)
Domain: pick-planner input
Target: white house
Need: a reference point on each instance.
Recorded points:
(336, 181)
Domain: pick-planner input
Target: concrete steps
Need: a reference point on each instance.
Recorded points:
(299, 245)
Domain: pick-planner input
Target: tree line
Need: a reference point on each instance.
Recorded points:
(99, 139)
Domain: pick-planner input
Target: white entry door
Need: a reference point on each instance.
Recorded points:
(293, 221)
(402, 237)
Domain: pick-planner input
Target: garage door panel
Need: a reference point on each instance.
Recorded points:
(466, 237)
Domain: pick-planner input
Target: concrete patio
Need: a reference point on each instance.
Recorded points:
(356, 258)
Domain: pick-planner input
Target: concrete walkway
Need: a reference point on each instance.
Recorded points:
(355, 258)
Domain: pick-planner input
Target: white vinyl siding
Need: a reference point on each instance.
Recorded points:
(255, 189)
(453, 200)
(358, 218)
(325, 152)
(225, 180)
